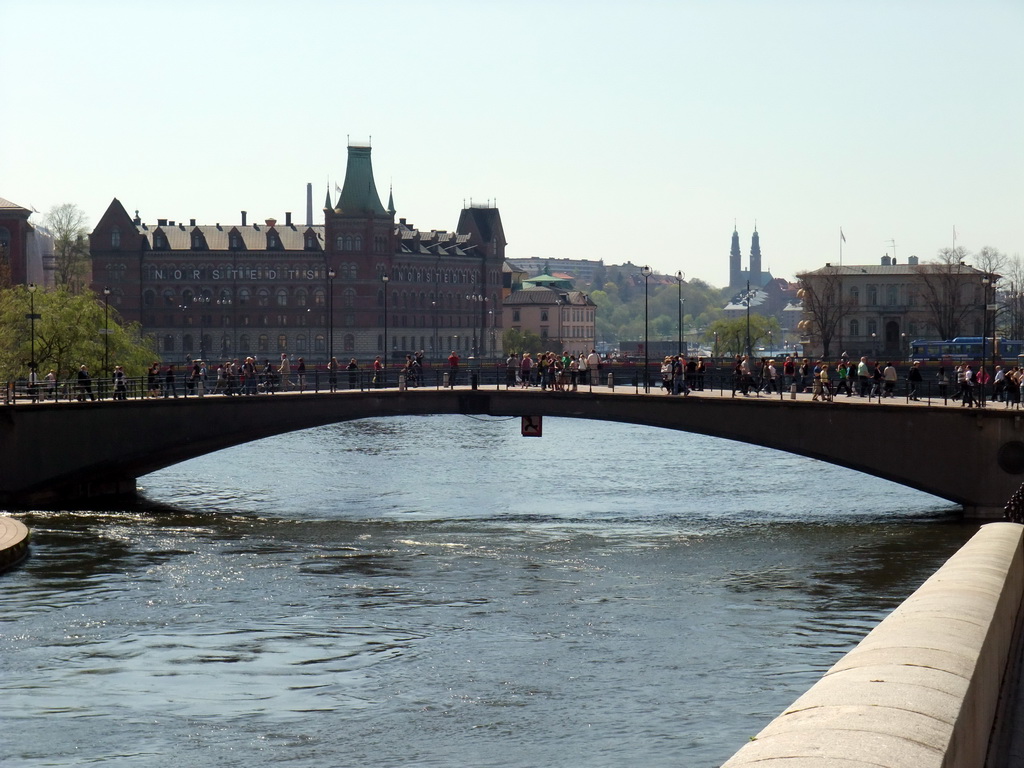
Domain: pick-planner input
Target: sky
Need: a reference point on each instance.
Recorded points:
(639, 131)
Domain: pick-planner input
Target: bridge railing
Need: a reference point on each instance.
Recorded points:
(497, 376)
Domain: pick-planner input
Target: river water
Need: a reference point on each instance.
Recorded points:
(439, 591)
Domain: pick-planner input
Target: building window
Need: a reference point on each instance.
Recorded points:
(892, 293)
(234, 242)
(319, 297)
(243, 343)
(515, 316)
(543, 315)
(854, 328)
(872, 327)
(300, 343)
(263, 297)
(319, 343)
(169, 343)
(349, 343)
(282, 297)
(872, 295)
(197, 241)
(348, 297)
(115, 238)
(263, 343)
(282, 343)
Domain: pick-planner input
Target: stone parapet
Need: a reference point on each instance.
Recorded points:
(13, 541)
(921, 690)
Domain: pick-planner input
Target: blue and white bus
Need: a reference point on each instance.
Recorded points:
(965, 348)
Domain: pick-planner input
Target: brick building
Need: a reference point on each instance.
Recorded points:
(337, 288)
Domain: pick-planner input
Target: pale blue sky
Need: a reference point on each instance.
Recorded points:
(624, 131)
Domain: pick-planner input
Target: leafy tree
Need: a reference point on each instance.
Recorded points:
(68, 225)
(514, 341)
(68, 334)
(728, 336)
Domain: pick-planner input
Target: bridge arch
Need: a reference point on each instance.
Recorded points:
(973, 458)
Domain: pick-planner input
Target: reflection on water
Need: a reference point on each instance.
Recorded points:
(438, 592)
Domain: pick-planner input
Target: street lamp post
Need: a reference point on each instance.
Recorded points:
(490, 312)
(680, 276)
(331, 274)
(646, 272)
(771, 345)
(384, 279)
(986, 282)
(106, 331)
(747, 302)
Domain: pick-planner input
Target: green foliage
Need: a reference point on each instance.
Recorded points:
(517, 342)
(731, 334)
(68, 333)
(620, 306)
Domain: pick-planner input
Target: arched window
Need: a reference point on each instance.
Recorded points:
(148, 298)
(319, 343)
(348, 242)
(115, 238)
(319, 297)
(339, 243)
(263, 297)
(300, 343)
(169, 343)
(244, 296)
(358, 243)
(243, 343)
(282, 343)
(282, 297)
(349, 343)
(301, 297)
(263, 343)
(348, 297)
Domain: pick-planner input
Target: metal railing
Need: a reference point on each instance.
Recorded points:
(497, 376)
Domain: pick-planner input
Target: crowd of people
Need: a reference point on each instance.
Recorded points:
(564, 372)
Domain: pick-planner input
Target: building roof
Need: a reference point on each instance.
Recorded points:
(885, 269)
(8, 207)
(359, 195)
(540, 296)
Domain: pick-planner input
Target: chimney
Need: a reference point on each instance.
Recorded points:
(243, 218)
(161, 222)
(309, 205)
(191, 222)
(270, 222)
(287, 218)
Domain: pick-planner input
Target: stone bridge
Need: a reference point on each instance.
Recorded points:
(62, 453)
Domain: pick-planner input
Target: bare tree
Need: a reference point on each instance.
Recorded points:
(824, 304)
(948, 303)
(1013, 298)
(68, 225)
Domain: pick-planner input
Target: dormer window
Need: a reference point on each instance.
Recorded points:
(271, 240)
(234, 242)
(159, 241)
(197, 240)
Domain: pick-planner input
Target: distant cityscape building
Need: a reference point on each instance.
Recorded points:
(26, 250)
(332, 289)
(879, 309)
(564, 318)
(739, 277)
(582, 271)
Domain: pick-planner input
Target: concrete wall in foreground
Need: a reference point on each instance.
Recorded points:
(921, 690)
